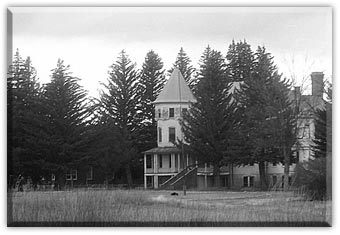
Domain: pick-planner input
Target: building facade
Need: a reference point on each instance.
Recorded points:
(166, 166)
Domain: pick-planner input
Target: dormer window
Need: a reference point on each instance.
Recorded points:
(171, 112)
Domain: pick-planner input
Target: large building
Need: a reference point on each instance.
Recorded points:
(166, 166)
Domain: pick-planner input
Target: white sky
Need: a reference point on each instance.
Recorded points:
(89, 39)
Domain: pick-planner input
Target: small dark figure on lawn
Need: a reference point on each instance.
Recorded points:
(174, 194)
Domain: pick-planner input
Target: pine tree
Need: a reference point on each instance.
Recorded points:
(241, 61)
(151, 82)
(121, 102)
(107, 151)
(65, 141)
(208, 127)
(264, 101)
(183, 64)
(23, 93)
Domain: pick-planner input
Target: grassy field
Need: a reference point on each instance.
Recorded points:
(152, 208)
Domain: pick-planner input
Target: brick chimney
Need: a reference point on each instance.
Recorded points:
(317, 83)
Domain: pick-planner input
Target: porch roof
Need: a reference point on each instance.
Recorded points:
(163, 150)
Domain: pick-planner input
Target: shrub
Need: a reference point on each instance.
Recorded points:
(311, 177)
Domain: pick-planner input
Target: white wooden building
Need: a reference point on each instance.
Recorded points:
(165, 166)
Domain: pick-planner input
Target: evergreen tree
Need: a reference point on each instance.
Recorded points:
(208, 127)
(107, 151)
(66, 142)
(241, 61)
(151, 82)
(120, 102)
(23, 94)
(264, 102)
(183, 64)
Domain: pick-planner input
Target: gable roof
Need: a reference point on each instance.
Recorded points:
(175, 90)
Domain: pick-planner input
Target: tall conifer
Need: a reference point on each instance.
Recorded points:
(183, 63)
(65, 140)
(23, 97)
(151, 82)
(208, 127)
(120, 102)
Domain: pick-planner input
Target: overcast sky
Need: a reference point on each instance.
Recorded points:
(89, 39)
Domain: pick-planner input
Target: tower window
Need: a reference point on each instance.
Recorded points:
(159, 134)
(172, 134)
(171, 112)
(159, 113)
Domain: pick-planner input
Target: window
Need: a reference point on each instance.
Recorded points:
(172, 134)
(171, 112)
(159, 134)
(274, 163)
(297, 156)
(306, 131)
(53, 177)
(251, 181)
(159, 113)
(160, 160)
(71, 175)
(89, 174)
(169, 160)
(248, 181)
(148, 161)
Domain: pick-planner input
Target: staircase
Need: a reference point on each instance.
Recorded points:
(177, 180)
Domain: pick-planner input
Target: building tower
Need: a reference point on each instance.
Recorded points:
(165, 161)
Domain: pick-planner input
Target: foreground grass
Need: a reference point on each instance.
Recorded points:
(121, 206)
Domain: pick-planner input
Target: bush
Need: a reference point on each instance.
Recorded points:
(311, 177)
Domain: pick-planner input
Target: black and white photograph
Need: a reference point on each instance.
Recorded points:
(169, 116)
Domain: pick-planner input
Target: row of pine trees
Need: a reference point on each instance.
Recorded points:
(55, 127)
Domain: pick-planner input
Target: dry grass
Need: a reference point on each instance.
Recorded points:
(120, 207)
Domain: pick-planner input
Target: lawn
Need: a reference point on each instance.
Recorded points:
(159, 208)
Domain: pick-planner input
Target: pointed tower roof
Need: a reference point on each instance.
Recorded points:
(175, 90)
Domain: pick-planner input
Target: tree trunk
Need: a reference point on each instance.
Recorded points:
(231, 178)
(128, 175)
(286, 170)
(217, 175)
(263, 175)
